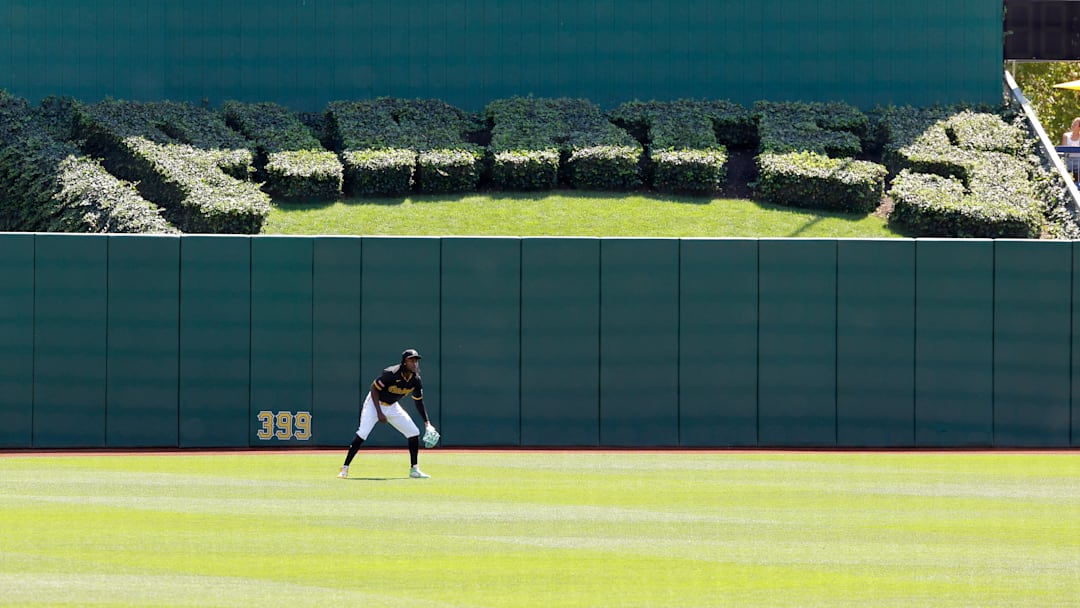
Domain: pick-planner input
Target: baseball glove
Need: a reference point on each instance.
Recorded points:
(431, 437)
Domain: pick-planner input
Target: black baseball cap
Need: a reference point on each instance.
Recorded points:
(410, 353)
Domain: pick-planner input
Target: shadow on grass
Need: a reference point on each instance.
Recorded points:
(682, 199)
(807, 226)
(378, 478)
(820, 215)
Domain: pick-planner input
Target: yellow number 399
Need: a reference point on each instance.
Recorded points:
(284, 425)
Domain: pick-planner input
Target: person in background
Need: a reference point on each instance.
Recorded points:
(1072, 138)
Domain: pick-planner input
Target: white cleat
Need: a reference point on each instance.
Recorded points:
(416, 473)
(344, 474)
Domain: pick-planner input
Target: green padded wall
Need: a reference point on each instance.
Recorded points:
(143, 341)
(470, 52)
(399, 309)
(639, 346)
(954, 342)
(875, 343)
(1032, 306)
(70, 295)
(281, 335)
(560, 341)
(773, 342)
(718, 308)
(215, 340)
(16, 340)
(481, 341)
(797, 343)
(336, 338)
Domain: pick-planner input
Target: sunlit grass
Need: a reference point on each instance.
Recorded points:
(568, 529)
(567, 213)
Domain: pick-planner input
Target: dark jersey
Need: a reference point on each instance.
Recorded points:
(396, 382)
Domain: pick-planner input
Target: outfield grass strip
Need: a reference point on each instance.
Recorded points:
(542, 528)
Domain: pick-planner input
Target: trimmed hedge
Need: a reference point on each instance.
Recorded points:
(662, 123)
(388, 122)
(986, 132)
(985, 183)
(605, 168)
(57, 116)
(195, 181)
(834, 129)
(165, 122)
(182, 155)
(933, 152)
(386, 172)
(684, 138)
(806, 157)
(168, 122)
(734, 124)
(690, 171)
(526, 169)
(304, 174)
(427, 127)
(986, 187)
(196, 193)
(593, 153)
(447, 170)
(932, 205)
(295, 164)
(896, 127)
(952, 145)
(94, 201)
(360, 125)
(809, 179)
(48, 185)
(686, 154)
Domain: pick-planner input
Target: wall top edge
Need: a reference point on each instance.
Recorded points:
(520, 238)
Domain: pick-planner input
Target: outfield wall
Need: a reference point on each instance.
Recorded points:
(305, 53)
(230, 341)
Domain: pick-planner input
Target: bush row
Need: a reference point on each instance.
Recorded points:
(930, 205)
(393, 146)
(194, 189)
(807, 155)
(568, 140)
(656, 123)
(833, 129)
(810, 179)
(379, 134)
(48, 185)
(966, 176)
(182, 157)
(686, 140)
(898, 126)
(167, 122)
(290, 159)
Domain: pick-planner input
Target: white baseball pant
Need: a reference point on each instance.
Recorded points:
(395, 415)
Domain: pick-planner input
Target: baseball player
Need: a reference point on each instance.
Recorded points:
(381, 405)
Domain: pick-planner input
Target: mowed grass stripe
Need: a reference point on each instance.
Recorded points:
(543, 529)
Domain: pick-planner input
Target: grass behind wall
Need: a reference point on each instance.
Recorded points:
(568, 213)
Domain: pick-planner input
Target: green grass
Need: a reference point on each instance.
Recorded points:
(568, 214)
(544, 529)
